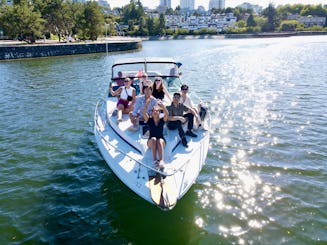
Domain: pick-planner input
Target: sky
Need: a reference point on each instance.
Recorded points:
(228, 3)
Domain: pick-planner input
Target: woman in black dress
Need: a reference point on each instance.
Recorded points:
(156, 141)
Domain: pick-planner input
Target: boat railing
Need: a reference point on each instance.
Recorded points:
(96, 115)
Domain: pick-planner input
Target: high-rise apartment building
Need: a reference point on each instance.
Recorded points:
(217, 4)
(187, 4)
(165, 4)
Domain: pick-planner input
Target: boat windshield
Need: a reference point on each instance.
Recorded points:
(168, 71)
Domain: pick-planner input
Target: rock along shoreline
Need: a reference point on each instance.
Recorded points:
(19, 50)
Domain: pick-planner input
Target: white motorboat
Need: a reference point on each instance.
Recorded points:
(126, 152)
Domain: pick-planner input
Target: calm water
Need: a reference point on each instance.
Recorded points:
(265, 178)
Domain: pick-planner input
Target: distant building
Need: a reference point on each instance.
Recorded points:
(187, 4)
(217, 4)
(104, 3)
(216, 22)
(201, 9)
(255, 8)
(8, 2)
(309, 20)
(164, 5)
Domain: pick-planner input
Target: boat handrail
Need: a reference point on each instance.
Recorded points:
(96, 114)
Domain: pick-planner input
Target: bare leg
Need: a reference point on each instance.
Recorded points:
(153, 146)
(160, 147)
(128, 109)
(132, 118)
(120, 108)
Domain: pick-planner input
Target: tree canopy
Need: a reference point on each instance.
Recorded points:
(28, 20)
(32, 19)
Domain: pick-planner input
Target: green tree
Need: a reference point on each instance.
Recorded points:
(290, 25)
(22, 21)
(112, 27)
(151, 27)
(241, 24)
(58, 16)
(76, 14)
(132, 11)
(92, 21)
(260, 21)
(143, 30)
(250, 21)
(270, 13)
(162, 24)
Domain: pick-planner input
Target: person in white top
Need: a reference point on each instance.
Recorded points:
(126, 100)
(186, 100)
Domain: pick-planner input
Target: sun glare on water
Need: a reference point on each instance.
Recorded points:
(242, 118)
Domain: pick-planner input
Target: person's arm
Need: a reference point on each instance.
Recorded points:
(145, 110)
(116, 92)
(193, 111)
(174, 118)
(177, 118)
(189, 109)
(134, 96)
(137, 107)
(141, 85)
(166, 92)
(163, 107)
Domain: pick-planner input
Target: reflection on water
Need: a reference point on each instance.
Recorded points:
(251, 117)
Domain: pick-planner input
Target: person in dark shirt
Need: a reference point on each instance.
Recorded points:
(120, 79)
(156, 141)
(178, 115)
(159, 89)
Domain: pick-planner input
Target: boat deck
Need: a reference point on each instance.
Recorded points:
(138, 143)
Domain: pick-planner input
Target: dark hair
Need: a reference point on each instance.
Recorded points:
(160, 88)
(177, 94)
(184, 86)
(146, 86)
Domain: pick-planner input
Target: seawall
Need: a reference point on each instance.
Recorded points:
(19, 51)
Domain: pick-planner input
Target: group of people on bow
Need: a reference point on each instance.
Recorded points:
(147, 108)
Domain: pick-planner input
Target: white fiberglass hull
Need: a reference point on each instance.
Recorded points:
(127, 155)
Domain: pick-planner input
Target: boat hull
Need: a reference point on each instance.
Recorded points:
(132, 167)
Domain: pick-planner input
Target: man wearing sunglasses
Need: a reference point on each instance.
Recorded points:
(144, 100)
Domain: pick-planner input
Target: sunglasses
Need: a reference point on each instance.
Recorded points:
(157, 80)
(184, 89)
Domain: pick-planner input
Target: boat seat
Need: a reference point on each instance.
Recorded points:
(122, 129)
(137, 140)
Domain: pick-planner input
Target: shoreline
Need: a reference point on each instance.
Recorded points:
(238, 36)
(11, 49)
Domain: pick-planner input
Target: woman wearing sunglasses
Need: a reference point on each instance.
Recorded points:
(159, 89)
(126, 98)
